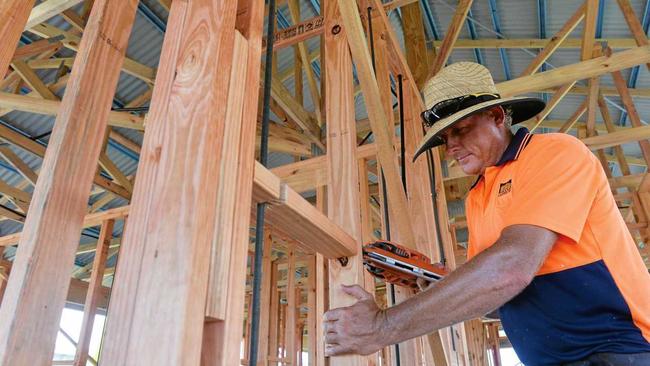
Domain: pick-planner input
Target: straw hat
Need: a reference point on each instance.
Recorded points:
(466, 88)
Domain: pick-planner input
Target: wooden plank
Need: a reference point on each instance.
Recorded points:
(581, 70)
(48, 9)
(589, 29)
(11, 214)
(453, 31)
(408, 354)
(309, 226)
(56, 210)
(555, 42)
(15, 14)
(634, 24)
(592, 106)
(290, 348)
(378, 119)
(92, 296)
(222, 250)
(297, 33)
(182, 144)
(342, 191)
(274, 316)
(36, 48)
(617, 138)
(32, 80)
(416, 48)
(19, 197)
(51, 107)
(16, 162)
(265, 299)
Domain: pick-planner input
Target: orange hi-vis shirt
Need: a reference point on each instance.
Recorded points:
(592, 293)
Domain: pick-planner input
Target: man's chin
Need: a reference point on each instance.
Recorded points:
(469, 169)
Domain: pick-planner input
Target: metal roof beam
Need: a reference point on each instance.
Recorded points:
(472, 33)
(496, 23)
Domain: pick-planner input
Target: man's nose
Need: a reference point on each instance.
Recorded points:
(451, 143)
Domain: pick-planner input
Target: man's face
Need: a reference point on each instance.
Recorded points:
(477, 142)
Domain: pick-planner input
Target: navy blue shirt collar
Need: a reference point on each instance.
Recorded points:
(515, 147)
(519, 141)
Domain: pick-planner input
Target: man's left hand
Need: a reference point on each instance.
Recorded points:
(356, 329)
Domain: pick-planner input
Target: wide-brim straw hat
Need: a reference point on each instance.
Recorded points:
(466, 79)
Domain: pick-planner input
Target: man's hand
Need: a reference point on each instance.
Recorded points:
(356, 329)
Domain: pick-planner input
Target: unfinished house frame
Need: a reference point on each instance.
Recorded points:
(182, 227)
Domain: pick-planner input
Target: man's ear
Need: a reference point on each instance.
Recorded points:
(498, 114)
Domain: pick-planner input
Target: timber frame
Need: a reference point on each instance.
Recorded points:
(184, 246)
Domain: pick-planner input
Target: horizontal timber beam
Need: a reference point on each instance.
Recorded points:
(51, 107)
(618, 138)
(581, 70)
(287, 210)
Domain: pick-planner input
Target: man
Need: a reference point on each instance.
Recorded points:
(548, 247)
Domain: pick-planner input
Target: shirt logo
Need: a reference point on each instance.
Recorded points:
(505, 188)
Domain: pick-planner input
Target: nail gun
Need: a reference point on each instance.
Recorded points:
(399, 265)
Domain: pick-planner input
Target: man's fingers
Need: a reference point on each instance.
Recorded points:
(357, 291)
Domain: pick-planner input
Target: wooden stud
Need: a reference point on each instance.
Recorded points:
(15, 14)
(90, 307)
(290, 324)
(274, 316)
(183, 144)
(342, 191)
(265, 300)
(379, 121)
(56, 211)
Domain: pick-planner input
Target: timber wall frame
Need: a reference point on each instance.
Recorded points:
(180, 294)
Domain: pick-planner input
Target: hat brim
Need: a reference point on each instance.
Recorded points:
(523, 109)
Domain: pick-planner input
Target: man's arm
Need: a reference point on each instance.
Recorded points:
(483, 284)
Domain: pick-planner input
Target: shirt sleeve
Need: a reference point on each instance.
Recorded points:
(555, 185)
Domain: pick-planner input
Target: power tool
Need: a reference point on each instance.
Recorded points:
(398, 265)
